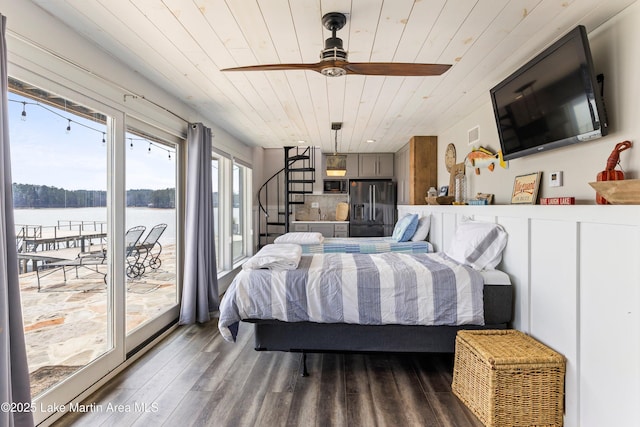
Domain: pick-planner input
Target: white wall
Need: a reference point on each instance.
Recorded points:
(614, 49)
(576, 274)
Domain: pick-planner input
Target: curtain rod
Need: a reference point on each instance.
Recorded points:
(92, 73)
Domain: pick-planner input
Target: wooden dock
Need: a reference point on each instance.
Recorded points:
(37, 243)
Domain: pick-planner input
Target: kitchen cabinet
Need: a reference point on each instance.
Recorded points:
(297, 227)
(352, 167)
(326, 228)
(375, 165)
(402, 175)
(341, 230)
(417, 169)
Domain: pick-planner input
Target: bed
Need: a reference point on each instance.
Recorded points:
(388, 302)
(409, 236)
(365, 245)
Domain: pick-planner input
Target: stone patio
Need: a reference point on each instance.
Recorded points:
(65, 323)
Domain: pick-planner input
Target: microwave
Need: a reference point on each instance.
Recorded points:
(335, 186)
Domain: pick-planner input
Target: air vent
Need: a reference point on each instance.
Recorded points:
(473, 135)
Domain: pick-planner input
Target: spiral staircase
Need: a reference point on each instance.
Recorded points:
(282, 191)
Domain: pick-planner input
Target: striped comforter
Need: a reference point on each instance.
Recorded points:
(372, 289)
(365, 245)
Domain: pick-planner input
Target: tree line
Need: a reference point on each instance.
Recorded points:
(44, 196)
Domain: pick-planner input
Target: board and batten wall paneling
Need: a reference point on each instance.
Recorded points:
(576, 286)
(515, 261)
(553, 296)
(609, 335)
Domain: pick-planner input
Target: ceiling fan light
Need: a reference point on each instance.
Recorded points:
(333, 71)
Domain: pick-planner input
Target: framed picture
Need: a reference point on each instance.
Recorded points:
(444, 190)
(525, 189)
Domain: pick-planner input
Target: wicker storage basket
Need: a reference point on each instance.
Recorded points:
(507, 378)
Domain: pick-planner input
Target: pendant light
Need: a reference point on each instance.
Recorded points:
(336, 163)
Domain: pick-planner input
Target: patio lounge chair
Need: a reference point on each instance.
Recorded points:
(92, 260)
(147, 253)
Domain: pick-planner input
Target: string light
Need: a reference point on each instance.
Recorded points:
(23, 117)
(154, 145)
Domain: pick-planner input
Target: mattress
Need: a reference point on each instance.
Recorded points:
(387, 288)
(366, 245)
(495, 277)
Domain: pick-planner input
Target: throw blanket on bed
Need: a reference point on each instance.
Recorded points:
(285, 256)
(372, 289)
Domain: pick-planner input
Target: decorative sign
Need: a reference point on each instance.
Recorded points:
(558, 201)
(525, 189)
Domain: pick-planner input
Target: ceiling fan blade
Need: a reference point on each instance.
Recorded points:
(395, 69)
(274, 67)
(362, 68)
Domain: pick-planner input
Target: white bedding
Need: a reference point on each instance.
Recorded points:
(284, 256)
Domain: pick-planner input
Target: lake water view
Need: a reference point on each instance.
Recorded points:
(135, 216)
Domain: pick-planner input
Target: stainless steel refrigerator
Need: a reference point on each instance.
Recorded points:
(372, 210)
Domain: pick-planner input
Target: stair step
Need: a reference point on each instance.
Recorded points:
(276, 223)
(300, 191)
(302, 181)
(296, 203)
(302, 169)
(299, 157)
(270, 234)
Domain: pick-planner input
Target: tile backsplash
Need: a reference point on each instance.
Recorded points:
(326, 210)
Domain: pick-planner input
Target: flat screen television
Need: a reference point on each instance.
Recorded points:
(551, 101)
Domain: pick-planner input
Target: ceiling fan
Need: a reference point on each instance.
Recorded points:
(333, 59)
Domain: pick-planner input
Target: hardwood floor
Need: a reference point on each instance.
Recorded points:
(195, 378)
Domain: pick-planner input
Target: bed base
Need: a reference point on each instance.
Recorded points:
(310, 337)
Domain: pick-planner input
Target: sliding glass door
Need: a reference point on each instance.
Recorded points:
(96, 210)
(151, 261)
(61, 153)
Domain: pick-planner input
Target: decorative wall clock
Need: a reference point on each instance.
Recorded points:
(450, 157)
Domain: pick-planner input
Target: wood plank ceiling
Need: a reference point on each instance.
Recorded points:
(181, 45)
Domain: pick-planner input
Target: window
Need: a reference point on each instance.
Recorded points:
(60, 190)
(150, 203)
(215, 178)
(232, 211)
(237, 231)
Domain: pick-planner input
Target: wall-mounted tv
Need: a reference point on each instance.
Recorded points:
(551, 101)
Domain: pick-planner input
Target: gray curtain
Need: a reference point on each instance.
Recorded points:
(200, 280)
(14, 373)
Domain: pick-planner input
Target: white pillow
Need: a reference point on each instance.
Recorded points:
(405, 228)
(478, 244)
(424, 225)
(300, 238)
